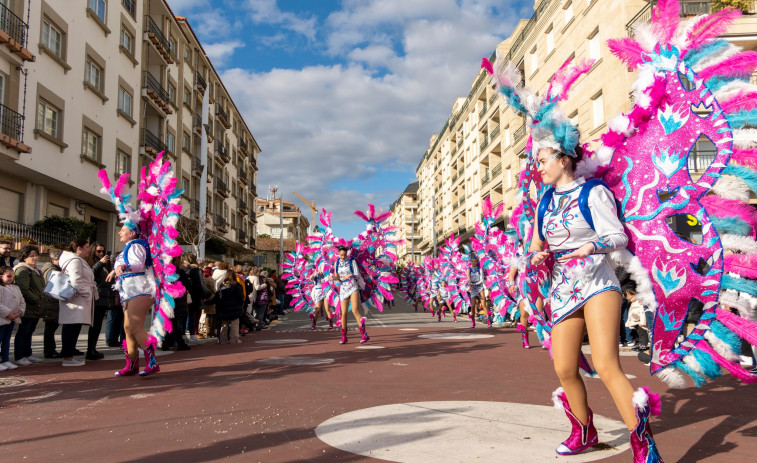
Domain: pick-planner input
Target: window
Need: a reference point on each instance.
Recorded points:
(171, 93)
(550, 39)
(93, 74)
(188, 54)
(507, 137)
(187, 96)
(90, 144)
(186, 142)
(124, 101)
(597, 104)
(52, 38)
(48, 118)
(226, 211)
(186, 186)
(98, 6)
(594, 46)
(123, 162)
(172, 45)
(534, 61)
(568, 12)
(171, 142)
(127, 41)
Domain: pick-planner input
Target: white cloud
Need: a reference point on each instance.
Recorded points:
(220, 53)
(268, 12)
(320, 126)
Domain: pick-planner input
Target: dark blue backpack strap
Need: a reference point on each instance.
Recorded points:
(583, 199)
(543, 205)
(148, 260)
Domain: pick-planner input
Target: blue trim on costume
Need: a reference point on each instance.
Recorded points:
(609, 288)
(543, 205)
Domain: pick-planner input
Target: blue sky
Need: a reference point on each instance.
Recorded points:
(343, 96)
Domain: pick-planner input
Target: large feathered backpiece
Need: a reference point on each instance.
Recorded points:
(155, 221)
(681, 164)
(297, 270)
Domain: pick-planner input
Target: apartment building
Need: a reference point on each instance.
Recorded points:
(479, 150)
(295, 225)
(115, 83)
(405, 217)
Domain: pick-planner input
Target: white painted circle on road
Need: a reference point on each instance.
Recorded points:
(455, 336)
(408, 329)
(296, 361)
(430, 431)
(280, 341)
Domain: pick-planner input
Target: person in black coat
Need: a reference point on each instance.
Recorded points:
(197, 292)
(180, 311)
(101, 267)
(229, 302)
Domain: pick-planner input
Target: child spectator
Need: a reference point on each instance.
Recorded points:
(12, 308)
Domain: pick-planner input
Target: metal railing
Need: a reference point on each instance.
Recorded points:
(485, 143)
(497, 170)
(495, 132)
(196, 205)
(220, 185)
(24, 233)
(483, 111)
(221, 150)
(11, 123)
(460, 171)
(695, 8)
(493, 97)
(241, 236)
(242, 174)
(485, 180)
(152, 27)
(153, 141)
(700, 161)
(243, 145)
(252, 242)
(14, 26)
(222, 113)
(241, 204)
(220, 221)
(151, 83)
(197, 121)
(201, 80)
(197, 164)
(131, 7)
(520, 133)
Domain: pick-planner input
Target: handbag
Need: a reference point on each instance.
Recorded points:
(59, 286)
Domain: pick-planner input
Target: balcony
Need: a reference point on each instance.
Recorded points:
(196, 207)
(253, 189)
(519, 134)
(460, 171)
(495, 132)
(253, 163)
(687, 9)
(221, 187)
(497, 170)
(485, 180)
(221, 223)
(242, 236)
(223, 153)
(131, 7)
(153, 90)
(14, 33)
(200, 83)
(242, 176)
(197, 124)
(242, 207)
(23, 233)
(197, 166)
(154, 35)
(223, 117)
(12, 130)
(243, 147)
(483, 111)
(253, 243)
(151, 143)
(493, 97)
(485, 143)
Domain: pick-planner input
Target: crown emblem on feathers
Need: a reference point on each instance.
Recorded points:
(663, 57)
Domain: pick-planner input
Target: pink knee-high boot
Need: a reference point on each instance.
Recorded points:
(151, 365)
(642, 441)
(131, 368)
(344, 337)
(524, 333)
(312, 319)
(582, 436)
(363, 333)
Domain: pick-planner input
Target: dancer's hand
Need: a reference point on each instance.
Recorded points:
(584, 251)
(539, 257)
(110, 276)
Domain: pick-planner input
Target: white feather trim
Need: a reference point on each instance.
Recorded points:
(721, 55)
(745, 138)
(731, 187)
(673, 378)
(745, 244)
(729, 90)
(743, 302)
(619, 123)
(604, 155)
(679, 39)
(692, 363)
(556, 401)
(640, 399)
(643, 32)
(720, 347)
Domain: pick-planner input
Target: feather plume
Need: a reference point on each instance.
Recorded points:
(721, 207)
(733, 368)
(742, 100)
(747, 157)
(566, 76)
(744, 265)
(707, 27)
(740, 66)
(742, 302)
(747, 175)
(666, 17)
(744, 329)
(731, 187)
(743, 244)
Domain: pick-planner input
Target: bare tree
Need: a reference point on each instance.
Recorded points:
(191, 233)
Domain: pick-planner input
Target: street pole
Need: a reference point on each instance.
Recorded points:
(281, 227)
(433, 222)
(412, 240)
(202, 215)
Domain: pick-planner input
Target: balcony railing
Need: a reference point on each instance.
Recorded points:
(11, 123)
(220, 112)
(197, 123)
(700, 161)
(152, 85)
(154, 29)
(243, 146)
(495, 132)
(221, 222)
(519, 134)
(14, 26)
(21, 232)
(152, 143)
(497, 170)
(460, 171)
(221, 187)
(493, 97)
(242, 175)
(196, 206)
(223, 152)
(131, 7)
(695, 8)
(197, 166)
(242, 206)
(253, 243)
(241, 236)
(485, 180)
(485, 143)
(201, 84)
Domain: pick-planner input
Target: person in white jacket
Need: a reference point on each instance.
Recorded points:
(12, 308)
(80, 309)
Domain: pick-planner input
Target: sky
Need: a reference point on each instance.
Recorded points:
(343, 96)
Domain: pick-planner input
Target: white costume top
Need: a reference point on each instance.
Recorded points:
(137, 279)
(350, 285)
(565, 229)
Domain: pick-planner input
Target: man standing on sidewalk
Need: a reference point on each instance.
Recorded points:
(5, 254)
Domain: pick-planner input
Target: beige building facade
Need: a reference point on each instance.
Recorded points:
(116, 82)
(479, 150)
(295, 225)
(405, 217)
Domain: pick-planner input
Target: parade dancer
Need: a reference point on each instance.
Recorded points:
(142, 273)
(349, 280)
(477, 294)
(318, 295)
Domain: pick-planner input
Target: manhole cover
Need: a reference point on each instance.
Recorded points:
(10, 382)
